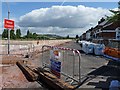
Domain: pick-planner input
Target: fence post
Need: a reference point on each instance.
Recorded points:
(79, 66)
(73, 63)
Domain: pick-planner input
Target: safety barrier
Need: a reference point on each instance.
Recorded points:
(62, 62)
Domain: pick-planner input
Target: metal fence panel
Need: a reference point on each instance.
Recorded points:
(70, 63)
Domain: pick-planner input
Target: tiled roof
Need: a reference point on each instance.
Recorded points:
(112, 26)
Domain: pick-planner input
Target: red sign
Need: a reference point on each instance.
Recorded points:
(9, 24)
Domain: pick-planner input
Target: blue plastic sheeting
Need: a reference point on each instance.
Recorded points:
(114, 85)
(112, 58)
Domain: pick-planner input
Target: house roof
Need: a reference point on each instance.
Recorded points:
(103, 23)
(112, 26)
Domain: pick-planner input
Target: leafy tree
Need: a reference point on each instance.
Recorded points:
(77, 36)
(28, 34)
(67, 37)
(18, 33)
(34, 35)
(116, 14)
(5, 33)
(12, 34)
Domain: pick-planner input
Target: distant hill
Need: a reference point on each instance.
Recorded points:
(50, 36)
(53, 36)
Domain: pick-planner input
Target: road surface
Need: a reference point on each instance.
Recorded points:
(89, 63)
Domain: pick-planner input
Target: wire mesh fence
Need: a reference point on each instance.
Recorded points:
(63, 62)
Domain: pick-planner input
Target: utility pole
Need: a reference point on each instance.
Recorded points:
(8, 35)
(8, 31)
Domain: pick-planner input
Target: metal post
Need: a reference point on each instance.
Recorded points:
(79, 66)
(73, 63)
(42, 55)
(8, 35)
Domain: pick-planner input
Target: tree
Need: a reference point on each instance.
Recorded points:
(28, 34)
(67, 37)
(18, 33)
(34, 35)
(116, 15)
(12, 34)
(77, 36)
(5, 33)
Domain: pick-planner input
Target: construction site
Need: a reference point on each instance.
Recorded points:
(60, 45)
(32, 69)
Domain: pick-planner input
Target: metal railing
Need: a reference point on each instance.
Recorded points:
(70, 62)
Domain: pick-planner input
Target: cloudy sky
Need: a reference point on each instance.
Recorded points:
(69, 18)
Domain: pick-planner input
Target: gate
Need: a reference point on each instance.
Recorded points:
(62, 62)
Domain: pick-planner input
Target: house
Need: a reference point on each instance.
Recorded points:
(118, 33)
(108, 31)
(88, 33)
(83, 36)
(103, 32)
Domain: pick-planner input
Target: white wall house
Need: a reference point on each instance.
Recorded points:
(88, 35)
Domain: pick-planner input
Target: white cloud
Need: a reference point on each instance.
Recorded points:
(62, 16)
(115, 9)
(55, 30)
(62, 19)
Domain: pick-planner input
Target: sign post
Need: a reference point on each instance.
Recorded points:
(55, 62)
(9, 24)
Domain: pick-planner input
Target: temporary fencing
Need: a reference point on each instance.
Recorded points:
(62, 62)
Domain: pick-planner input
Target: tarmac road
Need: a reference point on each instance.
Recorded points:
(88, 62)
(102, 69)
